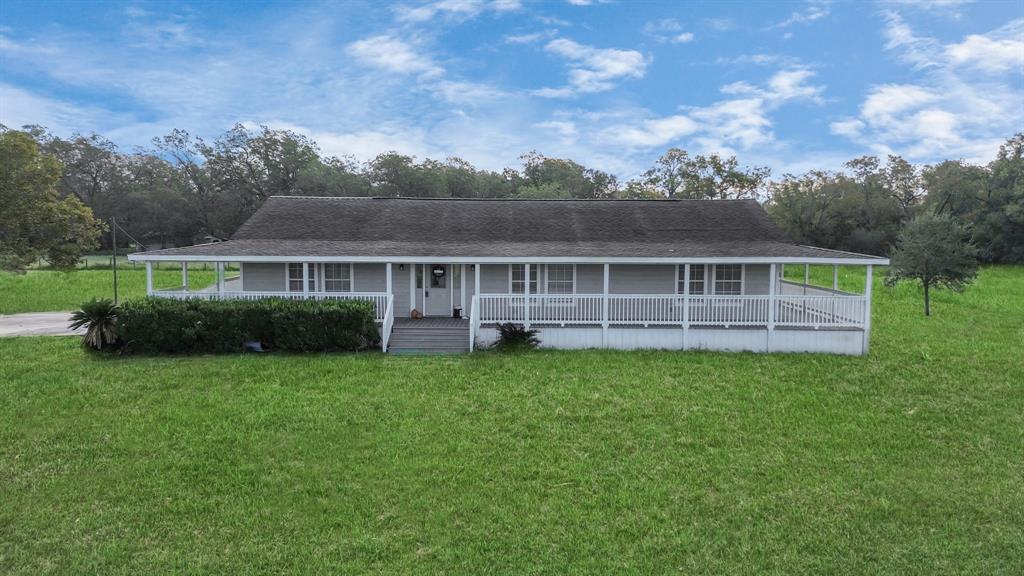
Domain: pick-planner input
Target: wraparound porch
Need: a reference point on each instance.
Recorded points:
(688, 316)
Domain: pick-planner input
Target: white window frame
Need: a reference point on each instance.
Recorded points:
(351, 276)
(313, 278)
(547, 279)
(742, 280)
(680, 269)
(534, 280)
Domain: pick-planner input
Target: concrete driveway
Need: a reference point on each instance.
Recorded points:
(37, 324)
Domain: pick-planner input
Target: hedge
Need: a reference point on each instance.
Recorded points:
(161, 325)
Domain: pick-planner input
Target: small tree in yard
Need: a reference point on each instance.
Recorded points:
(933, 250)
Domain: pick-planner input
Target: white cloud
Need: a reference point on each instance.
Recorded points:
(455, 9)
(668, 30)
(741, 122)
(962, 105)
(1000, 51)
(394, 55)
(593, 69)
(530, 38)
(656, 132)
(814, 10)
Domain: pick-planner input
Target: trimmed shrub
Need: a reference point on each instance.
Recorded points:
(515, 337)
(161, 325)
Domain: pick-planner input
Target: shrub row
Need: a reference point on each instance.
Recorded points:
(160, 325)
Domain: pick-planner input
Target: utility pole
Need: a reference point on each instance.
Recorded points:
(113, 230)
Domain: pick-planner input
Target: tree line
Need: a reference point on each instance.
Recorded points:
(184, 189)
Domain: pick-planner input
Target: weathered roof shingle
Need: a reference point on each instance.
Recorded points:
(388, 227)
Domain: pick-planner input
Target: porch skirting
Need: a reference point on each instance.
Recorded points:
(733, 339)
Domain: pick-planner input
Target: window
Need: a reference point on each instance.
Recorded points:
(729, 279)
(517, 278)
(295, 277)
(561, 279)
(696, 279)
(338, 277)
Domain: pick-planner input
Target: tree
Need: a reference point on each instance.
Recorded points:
(933, 250)
(34, 220)
(713, 177)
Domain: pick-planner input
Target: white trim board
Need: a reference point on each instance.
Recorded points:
(143, 257)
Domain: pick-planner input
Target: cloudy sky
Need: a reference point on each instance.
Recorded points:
(612, 84)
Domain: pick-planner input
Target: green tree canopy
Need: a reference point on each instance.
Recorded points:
(934, 251)
(35, 221)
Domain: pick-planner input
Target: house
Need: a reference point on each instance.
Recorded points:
(625, 274)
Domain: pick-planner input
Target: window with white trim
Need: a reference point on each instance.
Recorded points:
(517, 278)
(561, 279)
(697, 283)
(338, 277)
(729, 279)
(295, 277)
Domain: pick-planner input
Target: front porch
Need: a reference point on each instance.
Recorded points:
(733, 306)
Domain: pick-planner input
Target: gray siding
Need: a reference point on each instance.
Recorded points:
(642, 279)
(400, 288)
(494, 279)
(371, 277)
(756, 279)
(590, 279)
(263, 277)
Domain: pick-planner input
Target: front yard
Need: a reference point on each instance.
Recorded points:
(909, 461)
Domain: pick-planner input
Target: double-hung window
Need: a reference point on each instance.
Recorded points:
(517, 278)
(561, 279)
(338, 277)
(295, 277)
(697, 283)
(729, 279)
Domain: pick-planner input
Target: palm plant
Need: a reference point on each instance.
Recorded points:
(99, 317)
(514, 337)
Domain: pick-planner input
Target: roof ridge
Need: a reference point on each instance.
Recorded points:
(461, 199)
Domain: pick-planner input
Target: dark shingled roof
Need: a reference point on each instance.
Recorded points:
(371, 227)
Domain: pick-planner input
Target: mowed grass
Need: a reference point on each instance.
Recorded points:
(908, 461)
(49, 290)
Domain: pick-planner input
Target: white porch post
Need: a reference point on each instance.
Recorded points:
(462, 288)
(305, 280)
(604, 309)
(526, 297)
(771, 306)
(476, 278)
(220, 278)
(686, 305)
(807, 277)
(867, 307)
(387, 277)
(184, 276)
(835, 277)
(412, 288)
(149, 278)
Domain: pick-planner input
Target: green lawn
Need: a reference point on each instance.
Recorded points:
(53, 290)
(909, 461)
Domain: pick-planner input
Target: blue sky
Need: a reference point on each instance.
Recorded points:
(789, 85)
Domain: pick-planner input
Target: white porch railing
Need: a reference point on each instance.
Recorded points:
(387, 323)
(380, 299)
(670, 309)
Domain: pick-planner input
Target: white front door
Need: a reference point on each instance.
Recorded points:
(437, 297)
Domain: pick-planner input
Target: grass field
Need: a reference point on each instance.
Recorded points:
(54, 290)
(909, 461)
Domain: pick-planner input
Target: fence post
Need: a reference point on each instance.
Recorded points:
(604, 309)
(867, 307)
(526, 296)
(149, 278)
